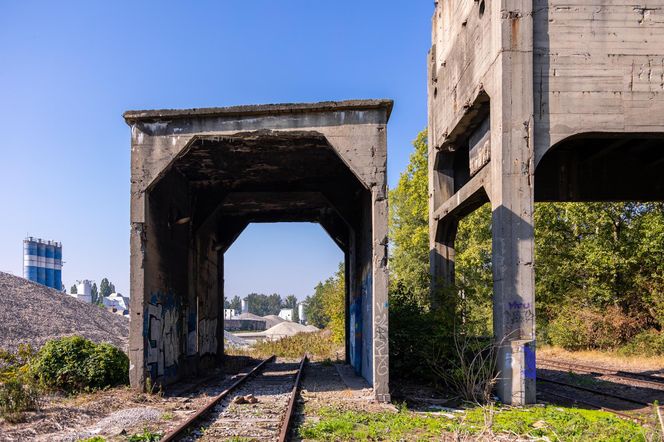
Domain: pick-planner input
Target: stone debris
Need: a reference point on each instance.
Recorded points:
(117, 423)
(235, 341)
(248, 399)
(31, 313)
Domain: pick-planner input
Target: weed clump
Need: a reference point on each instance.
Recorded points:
(74, 364)
(17, 397)
(18, 392)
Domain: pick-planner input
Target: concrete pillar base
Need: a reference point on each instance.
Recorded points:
(517, 374)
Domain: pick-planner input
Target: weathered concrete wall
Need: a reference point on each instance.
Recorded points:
(509, 81)
(598, 67)
(200, 176)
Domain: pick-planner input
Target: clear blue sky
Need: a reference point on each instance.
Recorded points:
(68, 69)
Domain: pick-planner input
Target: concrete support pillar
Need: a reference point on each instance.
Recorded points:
(441, 258)
(379, 296)
(442, 233)
(512, 203)
(220, 306)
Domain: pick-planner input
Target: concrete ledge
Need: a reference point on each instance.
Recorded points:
(260, 109)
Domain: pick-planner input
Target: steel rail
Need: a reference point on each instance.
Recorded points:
(186, 424)
(595, 391)
(618, 374)
(288, 416)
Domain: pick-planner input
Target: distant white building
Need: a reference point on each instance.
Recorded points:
(229, 313)
(245, 305)
(116, 302)
(84, 291)
(286, 313)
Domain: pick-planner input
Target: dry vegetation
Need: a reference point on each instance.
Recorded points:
(604, 358)
(319, 346)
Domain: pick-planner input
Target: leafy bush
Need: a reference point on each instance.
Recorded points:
(17, 397)
(647, 343)
(415, 336)
(74, 364)
(582, 328)
(13, 365)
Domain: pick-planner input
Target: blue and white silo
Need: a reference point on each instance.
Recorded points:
(42, 262)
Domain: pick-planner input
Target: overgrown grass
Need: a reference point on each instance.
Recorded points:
(319, 346)
(553, 423)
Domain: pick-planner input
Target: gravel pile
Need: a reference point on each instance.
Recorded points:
(235, 341)
(249, 316)
(272, 320)
(287, 328)
(33, 313)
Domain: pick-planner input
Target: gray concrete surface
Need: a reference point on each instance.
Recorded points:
(200, 176)
(545, 100)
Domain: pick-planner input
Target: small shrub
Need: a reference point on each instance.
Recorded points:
(647, 343)
(75, 364)
(16, 398)
(582, 328)
(93, 439)
(471, 372)
(145, 436)
(13, 365)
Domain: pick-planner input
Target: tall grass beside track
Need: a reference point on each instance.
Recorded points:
(319, 345)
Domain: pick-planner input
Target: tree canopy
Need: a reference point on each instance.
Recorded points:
(591, 258)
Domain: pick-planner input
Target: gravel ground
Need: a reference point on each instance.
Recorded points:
(33, 313)
(119, 412)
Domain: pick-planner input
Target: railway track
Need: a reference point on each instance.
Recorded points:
(258, 406)
(597, 399)
(646, 379)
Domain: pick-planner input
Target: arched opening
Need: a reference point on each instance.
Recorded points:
(598, 211)
(282, 168)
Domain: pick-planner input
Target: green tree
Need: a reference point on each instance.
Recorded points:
(291, 302)
(474, 278)
(105, 288)
(94, 294)
(73, 290)
(235, 303)
(262, 305)
(409, 226)
(326, 307)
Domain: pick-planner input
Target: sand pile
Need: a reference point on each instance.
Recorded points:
(249, 316)
(272, 320)
(33, 313)
(287, 328)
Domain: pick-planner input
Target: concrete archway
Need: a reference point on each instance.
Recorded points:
(200, 176)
